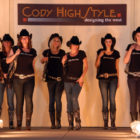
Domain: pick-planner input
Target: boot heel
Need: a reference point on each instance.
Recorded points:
(77, 119)
(70, 120)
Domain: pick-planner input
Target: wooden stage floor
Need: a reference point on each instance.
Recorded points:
(64, 134)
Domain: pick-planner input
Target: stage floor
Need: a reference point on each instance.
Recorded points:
(64, 134)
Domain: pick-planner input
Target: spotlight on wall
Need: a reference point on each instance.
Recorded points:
(1, 123)
(135, 126)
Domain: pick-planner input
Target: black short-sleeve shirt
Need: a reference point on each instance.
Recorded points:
(25, 61)
(74, 66)
(134, 64)
(4, 65)
(54, 64)
(108, 63)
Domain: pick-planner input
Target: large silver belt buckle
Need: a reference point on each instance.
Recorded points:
(106, 75)
(58, 79)
(21, 76)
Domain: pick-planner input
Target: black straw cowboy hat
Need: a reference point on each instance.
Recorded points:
(74, 40)
(54, 36)
(7, 37)
(108, 36)
(134, 33)
(24, 32)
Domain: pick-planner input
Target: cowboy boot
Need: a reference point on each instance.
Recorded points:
(52, 118)
(11, 117)
(28, 121)
(19, 122)
(113, 116)
(77, 120)
(105, 118)
(70, 120)
(58, 119)
(134, 116)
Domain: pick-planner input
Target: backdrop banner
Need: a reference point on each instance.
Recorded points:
(72, 14)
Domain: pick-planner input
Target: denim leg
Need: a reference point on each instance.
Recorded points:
(58, 94)
(68, 89)
(18, 89)
(2, 87)
(51, 88)
(112, 93)
(75, 94)
(10, 98)
(103, 85)
(133, 95)
(28, 93)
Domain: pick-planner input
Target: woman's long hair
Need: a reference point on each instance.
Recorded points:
(51, 44)
(19, 44)
(3, 49)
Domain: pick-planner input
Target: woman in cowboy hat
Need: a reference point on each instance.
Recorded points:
(107, 64)
(7, 43)
(132, 58)
(53, 73)
(24, 80)
(75, 67)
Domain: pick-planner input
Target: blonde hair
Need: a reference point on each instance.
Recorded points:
(51, 44)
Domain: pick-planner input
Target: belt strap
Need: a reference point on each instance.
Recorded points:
(107, 75)
(55, 78)
(21, 76)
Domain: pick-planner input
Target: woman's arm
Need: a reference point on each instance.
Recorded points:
(64, 59)
(44, 59)
(34, 61)
(98, 59)
(12, 56)
(85, 68)
(117, 68)
(128, 54)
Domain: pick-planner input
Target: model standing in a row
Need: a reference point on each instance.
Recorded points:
(75, 68)
(107, 64)
(132, 58)
(53, 75)
(7, 43)
(23, 56)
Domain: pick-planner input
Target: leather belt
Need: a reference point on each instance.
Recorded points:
(72, 78)
(107, 75)
(22, 76)
(55, 78)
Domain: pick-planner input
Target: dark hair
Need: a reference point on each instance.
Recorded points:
(19, 44)
(134, 33)
(8, 38)
(108, 36)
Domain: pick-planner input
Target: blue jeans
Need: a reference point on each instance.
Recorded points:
(24, 89)
(55, 93)
(72, 93)
(10, 96)
(134, 89)
(108, 87)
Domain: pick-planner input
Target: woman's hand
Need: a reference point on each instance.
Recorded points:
(44, 59)
(101, 53)
(80, 81)
(5, 75)
(98, 58)
(132, 47)
(64, 59)
(17, 52)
